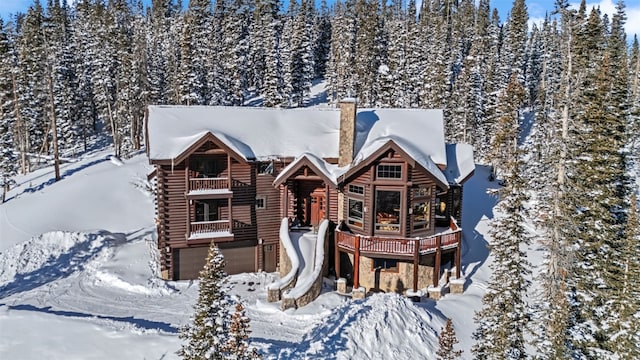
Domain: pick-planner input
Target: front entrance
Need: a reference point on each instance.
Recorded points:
(311, 202)
(318, 206)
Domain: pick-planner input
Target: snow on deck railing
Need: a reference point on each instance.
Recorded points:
(217, 183)
(400, 246)
(285, 281)
(200, 227)
(305, 284)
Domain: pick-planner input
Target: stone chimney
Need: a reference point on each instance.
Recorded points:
(347, 131)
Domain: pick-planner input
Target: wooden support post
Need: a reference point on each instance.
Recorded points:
(459, 255)
(187, 187)
(436, 267)
(336, 255)
(356, 263)
(416, 262)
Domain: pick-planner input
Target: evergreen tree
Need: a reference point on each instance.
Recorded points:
(208, 334)
(237, 346)
(446, 341)
(505, 314)
(8, 159)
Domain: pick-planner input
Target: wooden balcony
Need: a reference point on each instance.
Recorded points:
(209, 187)
(209, 229)
(200, 184)
(397, 247)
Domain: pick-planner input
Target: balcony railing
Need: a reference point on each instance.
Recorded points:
(210, 227)
(204, 184)
(398, 246)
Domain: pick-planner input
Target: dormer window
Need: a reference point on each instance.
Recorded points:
(385, 171)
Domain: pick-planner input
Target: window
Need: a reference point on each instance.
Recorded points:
(388, 210)
(421, 207)
(389, 171)
(205, 167)
(261, 202)
(356, 189)
(355, 213)
(421, 214)
(207, 210)
(265, 168)
(385, 264)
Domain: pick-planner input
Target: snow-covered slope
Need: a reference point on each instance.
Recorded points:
(78, 281)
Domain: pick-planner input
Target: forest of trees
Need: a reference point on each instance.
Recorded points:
(553, 108)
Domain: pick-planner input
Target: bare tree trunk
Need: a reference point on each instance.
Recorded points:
(54, 123)
(20, 129)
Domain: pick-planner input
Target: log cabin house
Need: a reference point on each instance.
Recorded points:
(384, 178)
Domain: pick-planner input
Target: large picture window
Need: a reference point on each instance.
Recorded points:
(355, 217)
(388, 210)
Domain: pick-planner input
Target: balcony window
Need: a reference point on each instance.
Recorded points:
(355, 217)
(206, 167)
(388, 210)
(389, 171)
(207, 210)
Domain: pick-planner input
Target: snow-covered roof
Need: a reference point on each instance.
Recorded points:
(265, 133)
(330, 171)
(460, 162)
(254, 133)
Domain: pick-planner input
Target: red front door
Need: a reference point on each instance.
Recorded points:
(318, 206)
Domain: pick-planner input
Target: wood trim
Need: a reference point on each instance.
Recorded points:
(389, 145)
(198, 143)
(304, 161)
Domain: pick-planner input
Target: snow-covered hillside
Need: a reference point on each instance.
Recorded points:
(78, 281)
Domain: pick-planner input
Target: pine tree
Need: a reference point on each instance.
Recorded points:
(208, 333)
(237, 346)
(505, 314)
(8, 160)
(446, 341)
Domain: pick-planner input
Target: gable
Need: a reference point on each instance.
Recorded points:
(376, 154)
(325, 171)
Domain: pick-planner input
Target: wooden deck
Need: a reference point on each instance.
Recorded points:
(408, 249)
(398, 247)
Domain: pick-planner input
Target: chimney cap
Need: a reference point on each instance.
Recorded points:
(349, 100)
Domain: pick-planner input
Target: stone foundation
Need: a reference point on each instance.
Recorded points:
(341, 285)
(435, 293)
(397, 281)
(456, 286)
(359, 293)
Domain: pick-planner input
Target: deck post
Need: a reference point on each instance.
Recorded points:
(416, 258)
(458, 254)
(436, 267)
(336, 258)
(356, 263)
(187, 187)
(230, 200)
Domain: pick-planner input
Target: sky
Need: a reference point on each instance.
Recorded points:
(537, 9)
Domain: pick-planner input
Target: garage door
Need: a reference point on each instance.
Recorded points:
(240, 260)
(189, 261)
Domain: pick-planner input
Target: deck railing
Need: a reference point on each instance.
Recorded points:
(218, 183)
(398, 246)
(204, 227)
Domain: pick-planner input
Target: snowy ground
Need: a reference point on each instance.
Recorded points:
(78, 279)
